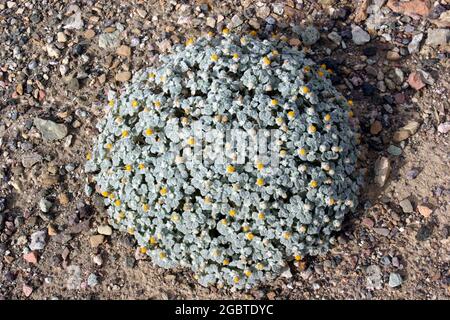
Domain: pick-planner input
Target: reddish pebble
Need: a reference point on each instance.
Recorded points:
(27, 290)
(424, 211)
(31, 257)
(415, 80)
(368, 222)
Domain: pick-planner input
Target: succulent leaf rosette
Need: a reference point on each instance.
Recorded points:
(233, 223)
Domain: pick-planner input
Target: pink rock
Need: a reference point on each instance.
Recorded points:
(27, 290)
(415, 80)
(413, 8)
(31, 257)
(444, 127)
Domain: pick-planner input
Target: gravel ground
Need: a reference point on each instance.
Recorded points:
(59, 60)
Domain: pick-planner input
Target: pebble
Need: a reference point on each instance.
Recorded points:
(370, 51)
(31, 257)
(96, 240)
(97, 259)
(109, 40)
(50, 130)
(438, 37)
(376, 127)
(374, 277)
(27, 290)
(444, 127)
(395, 280)
(406, 131)
(310, 35)
(335, 37)
(382, 231)
(424, 211)
(30, 159)
(73, 277)
(53, 52)
(38, 240)
(74, 21)
(45, 205)
(368, 89)
(123, 76)
(211, 22)
(286, 272)
(394, 150)
(412, 174)
(235, 22)
(124, 51)
(359, 36)
(393, 56)
(61, 37)
(406, 206)
(415, 80)
(414, 45)
(89, 34)
(92, 280)
(411, 8)
(382, 170)
(105, 230)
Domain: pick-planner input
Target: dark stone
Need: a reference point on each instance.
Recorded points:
(368, 89)
(370, 51)
(425, 232)
(2, 204)
(79, 49)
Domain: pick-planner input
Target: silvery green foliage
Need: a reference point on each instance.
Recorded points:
(200, 215)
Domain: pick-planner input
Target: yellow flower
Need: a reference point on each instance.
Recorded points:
(261, 216)
(291, 114)
(320, 73)
(189, 42)
(275, 52)
(266, 61)
(243, 40)
(313, 184)
(307, 69)
(331, 202)
(259, 266)
(235, 56)
(157, 103)
(225, 31)
(130, 230)
(149, 132)
(350, 114)
(117, 203)
(145, 207)
(245, 228)
(260, 182)
(298, 257)
(163, 191)
(274, 102)
(283, 153)
(248, 273)
(304, 89)
(111, 103)
(141, 166)
(151, 75)
(224, 221)
(121, 215)
(327, 117)
(175, 217)
(143, 250)
(279, 121)
(323, 66)
(134, 103)
(236, 279)
(232, 212)
(105, 194)
(124, 133)
(88, 156)
(249, 236)
(253, 33)
(127, 167)
(112, 196)
(208, 200)
(152, 240)
(350, 102)
(230, 168)
(162, 255)
(302, 152)
(191, 141)
(259, 166)
(312, 129)
(226, 262)
(286, 235)
(108, 146)
(214, 57)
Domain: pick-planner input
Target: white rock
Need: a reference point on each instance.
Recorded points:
(359, 36)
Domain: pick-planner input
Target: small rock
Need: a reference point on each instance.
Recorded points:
(211, 22)
(368, 222)
(73, 85)
(105, 230)
(415, 80)
(45, 205)
(92, 280)
(50, 130)
(335, 37)
(96, 240)
(61, 37)
(438, 37)
(73, 277)
(74, 21)
(444, 127)
(368, 89)
(395, 280)
(262, 12)
(393, 56)
(405, 132)
(286, 272)
(109, 40)
(374, 277)
(412, 174)
(30, 159)
(382, 231)
(394, 150)
(376, 127)
(411, 8)
(89, 34)
(235, 22)
(98, 260)
(382, 170)
(361, 11)
(444, 20)
(27, 290)
(370, 51)
(359, 36)
(424, 211)
(124, 51)
(310, 36)
(63, 199)
(414, 45)
(38, 240)
(52, 51)
(123, 76)
(406, 206)
(31, 257)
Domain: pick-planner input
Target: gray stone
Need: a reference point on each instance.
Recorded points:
(444, 127)
(395, 280)
(406, 206)
(38, 240)
(335, 37)
(359, 36)
(105, 230)
(73, 277)
(236, 21)
(310, 35)
(74, 21)
(30, 159)
(394, 150)
(109, 40)
(92, 280)
(374, 277)
(45, 205)
(414, 45)
(50, 130)
(438, 37)
(286, 272)
(382, 170)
